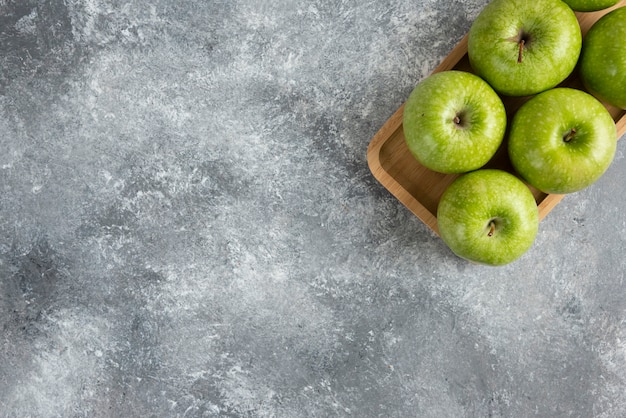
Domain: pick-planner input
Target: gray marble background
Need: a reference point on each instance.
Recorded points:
(188, 227)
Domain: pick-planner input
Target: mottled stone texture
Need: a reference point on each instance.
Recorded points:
(188, 227)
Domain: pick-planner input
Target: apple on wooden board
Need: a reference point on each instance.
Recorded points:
(590, 5)
(523, 47)
(603, 58)
(562, 140)
(488, 216)
(454, 122)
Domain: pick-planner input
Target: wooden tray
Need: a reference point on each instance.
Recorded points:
(419, 188)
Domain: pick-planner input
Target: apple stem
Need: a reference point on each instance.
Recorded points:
(457, 120)
(568, 137)
(521, 48)
(492, 228)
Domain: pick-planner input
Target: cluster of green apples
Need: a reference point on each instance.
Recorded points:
(560, 140)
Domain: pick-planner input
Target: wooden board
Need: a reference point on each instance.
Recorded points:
(419, 188)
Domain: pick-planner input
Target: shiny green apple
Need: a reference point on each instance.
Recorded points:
(453, 122)
(603, 58)
(562, 140)
(590, 5)
(488, 216)
(523, 47)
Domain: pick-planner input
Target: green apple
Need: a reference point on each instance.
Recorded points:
(523, 47)
(488, 216)
(590, 5)
(453, 122)
(562, 140)
(603, 58)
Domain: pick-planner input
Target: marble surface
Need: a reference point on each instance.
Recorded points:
(188, 227)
